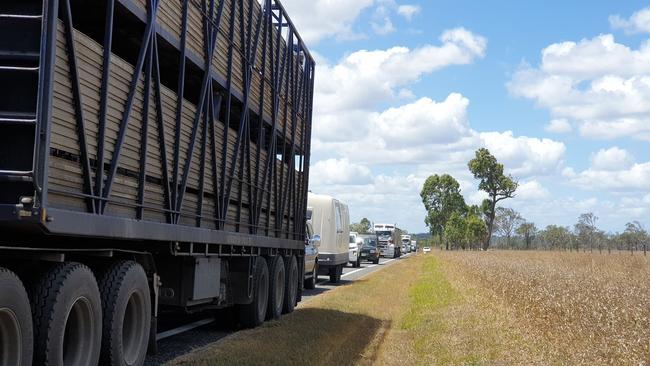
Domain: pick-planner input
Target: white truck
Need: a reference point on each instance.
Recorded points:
(406, 243)
(331, 221)
(388, 243)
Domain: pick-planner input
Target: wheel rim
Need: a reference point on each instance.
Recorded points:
(10, 338)
(79, 333)
(133, 328)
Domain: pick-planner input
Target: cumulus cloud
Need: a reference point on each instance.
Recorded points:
(634, 178)
(639, 22)
(525, 156)
(339, 171)
(602, 85)
(408, 11)
(319, 19)
(365, 78)
(611, 159)
(532, 191)
(559, 126)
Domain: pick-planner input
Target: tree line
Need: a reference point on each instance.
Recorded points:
(457, 225)
(584, 235)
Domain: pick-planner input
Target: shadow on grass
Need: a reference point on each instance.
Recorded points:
(306, 337)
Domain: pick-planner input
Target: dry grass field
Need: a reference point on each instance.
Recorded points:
(574, 308)
(464, 308)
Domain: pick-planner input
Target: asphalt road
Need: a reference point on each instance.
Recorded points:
(179, 344)
(350, 274)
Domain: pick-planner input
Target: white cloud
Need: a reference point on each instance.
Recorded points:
(319, 19)
(635, 178)
(532, 191)
(525, 156)
(613, 170)
(423, 122)
(558, 126)
(639, 22)
(365, 79)
(335, 171)
(408, 11)
(611, 159)
(602, 85)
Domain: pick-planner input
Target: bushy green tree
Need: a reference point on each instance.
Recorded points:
(495, 182)
(441, 198)
(456, 231)
(476, 229)
(362, 227)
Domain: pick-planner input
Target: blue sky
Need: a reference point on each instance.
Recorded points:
(559, 91)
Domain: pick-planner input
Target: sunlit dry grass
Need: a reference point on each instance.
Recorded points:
(576, 308)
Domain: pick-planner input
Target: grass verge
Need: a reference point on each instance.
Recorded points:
(346, 326)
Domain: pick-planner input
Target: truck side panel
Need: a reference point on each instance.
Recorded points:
(193, 113)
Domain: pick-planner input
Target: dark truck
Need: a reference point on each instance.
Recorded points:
(154, 156)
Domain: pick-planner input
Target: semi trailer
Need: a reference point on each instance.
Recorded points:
(154, 156)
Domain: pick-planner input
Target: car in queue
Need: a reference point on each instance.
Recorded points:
(369, 249)
(353, 250)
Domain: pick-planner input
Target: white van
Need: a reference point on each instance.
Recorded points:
(330, 219)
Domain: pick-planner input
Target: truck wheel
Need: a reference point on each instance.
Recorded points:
(126, 305)
(253, 314)
(335, 274)
(276, 287)
(67, 314)
(310, 283)
(16, 337)
(291, 285)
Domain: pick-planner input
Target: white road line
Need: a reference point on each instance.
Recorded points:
(183, 329)
(364, 268)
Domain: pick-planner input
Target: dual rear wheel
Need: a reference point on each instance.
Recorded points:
(71, 321)
(275, 290)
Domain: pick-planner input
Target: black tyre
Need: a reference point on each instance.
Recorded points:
(126, 304)
(310, 283)
(335, 274)
(253, 314)
(276, 287)
(67, 314)
(292, 280)
(16, 337)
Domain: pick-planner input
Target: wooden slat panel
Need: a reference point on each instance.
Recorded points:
(67, 175)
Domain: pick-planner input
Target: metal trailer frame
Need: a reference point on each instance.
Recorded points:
(37, 215)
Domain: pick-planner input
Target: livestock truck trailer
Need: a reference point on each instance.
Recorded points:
(154, 156)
